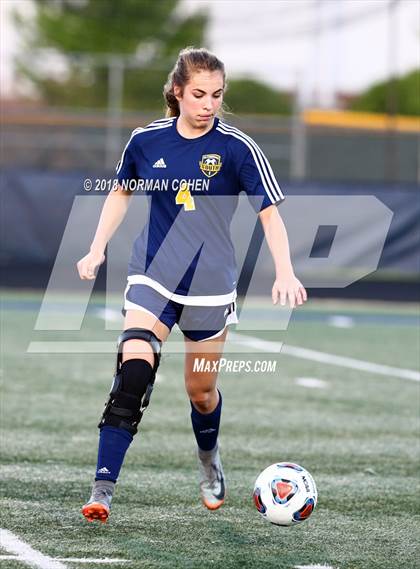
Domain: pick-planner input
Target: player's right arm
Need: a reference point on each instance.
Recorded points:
(113, 212)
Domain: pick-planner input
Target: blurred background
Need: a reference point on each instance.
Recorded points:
(329, 89)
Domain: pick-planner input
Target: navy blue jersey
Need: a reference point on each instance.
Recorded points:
(185, 251)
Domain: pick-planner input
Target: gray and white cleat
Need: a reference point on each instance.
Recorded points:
(211, 477)
(99, 504)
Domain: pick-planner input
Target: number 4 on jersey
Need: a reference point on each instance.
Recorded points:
(184, 197)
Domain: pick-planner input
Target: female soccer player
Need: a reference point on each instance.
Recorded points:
(192, 166)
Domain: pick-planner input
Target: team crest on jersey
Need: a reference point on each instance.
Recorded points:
(210, 164)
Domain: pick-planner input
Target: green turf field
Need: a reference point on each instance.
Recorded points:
(357, 435)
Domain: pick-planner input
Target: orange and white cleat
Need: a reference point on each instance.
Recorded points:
(212, 479)
(99, 504)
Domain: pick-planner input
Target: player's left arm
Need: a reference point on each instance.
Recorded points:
(286, 286)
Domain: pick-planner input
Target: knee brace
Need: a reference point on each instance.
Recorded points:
(133, 384)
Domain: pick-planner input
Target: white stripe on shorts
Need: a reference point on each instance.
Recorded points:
(211, 300)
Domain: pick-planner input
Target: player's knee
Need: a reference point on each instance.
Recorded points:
(138, 349)
(136, 375)
(203, 400)
(133, 381)
(124, 408)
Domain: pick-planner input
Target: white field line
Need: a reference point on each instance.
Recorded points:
(160, 378)
(93, 560)
(108, 314)
(341, 321)
(72, 559)
(25, 553)
(323, 357)
(311, 382)
(256, 343)
(313, 567)
(109, 560)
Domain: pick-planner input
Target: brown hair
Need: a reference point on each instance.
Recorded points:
(189, 60)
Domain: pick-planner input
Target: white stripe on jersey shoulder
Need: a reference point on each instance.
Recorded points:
(267, 176)
(160, 122)
(133, 134)
(157, 121)
(155, 125)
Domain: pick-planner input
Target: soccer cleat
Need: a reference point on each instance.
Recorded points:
(99, 504)
(212, 479)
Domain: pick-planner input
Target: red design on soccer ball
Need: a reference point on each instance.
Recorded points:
(258, 501)
(305, 511)
(283, 490)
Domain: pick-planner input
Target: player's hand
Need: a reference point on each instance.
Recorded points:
(88, 265)
(291, 288)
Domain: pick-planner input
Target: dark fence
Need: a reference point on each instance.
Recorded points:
(36, 205)
(57, 140)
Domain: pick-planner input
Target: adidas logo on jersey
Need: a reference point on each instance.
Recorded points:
(103, 470)
(159, 163)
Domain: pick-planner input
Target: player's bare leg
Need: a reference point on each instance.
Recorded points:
(206, 406)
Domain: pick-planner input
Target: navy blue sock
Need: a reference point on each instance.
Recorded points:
(206, 425)
(113, 444)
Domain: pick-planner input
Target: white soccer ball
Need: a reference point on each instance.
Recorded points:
(285, 494)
